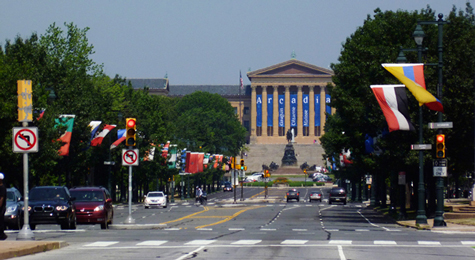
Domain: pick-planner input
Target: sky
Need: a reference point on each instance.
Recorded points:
(204, 42)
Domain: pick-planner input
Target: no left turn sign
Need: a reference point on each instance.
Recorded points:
(130, 157)
(25, 139)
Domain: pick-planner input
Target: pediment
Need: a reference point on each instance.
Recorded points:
(291, 68)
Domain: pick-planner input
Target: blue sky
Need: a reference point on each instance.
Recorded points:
(204, 42)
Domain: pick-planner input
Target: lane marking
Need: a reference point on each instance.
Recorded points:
(189, 216)
(299, 229)
(428, 242)
(102, 243)
(253, 196)
(190, 253)
(340, 253)
(268, 229)
(152, 243)
(200, 242)
(468, 242)
(341, 242)
(230, 217)
(384, 242)
(294, 242)
(246, 242)
(236, 229)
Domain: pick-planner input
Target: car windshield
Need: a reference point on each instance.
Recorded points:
(87, 195)
(48, 194)
(10, 196)
(155, 194)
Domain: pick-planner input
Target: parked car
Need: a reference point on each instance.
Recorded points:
(337, 194)
(315, 195)
(52, 205)
(228, 187)
(293, 194)
(93, 206)
(14, 213)
(155, 198)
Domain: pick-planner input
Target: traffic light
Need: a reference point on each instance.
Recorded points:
(232, 162)
(440, 146)
(130, 134)
(242, 164)
(305, 171)
(266, 174)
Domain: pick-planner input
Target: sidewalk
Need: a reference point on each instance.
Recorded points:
(14, 248)
(430, 226)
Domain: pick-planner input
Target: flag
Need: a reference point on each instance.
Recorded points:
(240, 79)
(121, 138)
(68, 122)
(94, 125)
(393, 102)
(172, 160)
(165, 149)
(98, 139)
(412, 75)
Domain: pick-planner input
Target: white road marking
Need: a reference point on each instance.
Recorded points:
(341, 242)
(246, 242)
(468, 242)
(299, 229)
(294, 242)
(103, 243)
(152, 243)
(190, 253)
(384, 242)
(267, 229)
(428, 242)
(236, 229)
(200, 242)
(340, 253)
(361, 230)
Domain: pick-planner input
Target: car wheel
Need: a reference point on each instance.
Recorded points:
(329, 202)
(32, 226)
(165, 206)
(146, 207)
(17, 225)
(73, 224)
(310, 200)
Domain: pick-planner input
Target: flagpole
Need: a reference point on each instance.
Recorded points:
(240, 87)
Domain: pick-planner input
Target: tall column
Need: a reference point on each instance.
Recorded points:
(287, 109)
(311, 114)
(264, 110)
(299, 112)
(276, 111)
(322, 109)
(253, 113)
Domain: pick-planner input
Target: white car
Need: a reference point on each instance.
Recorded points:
(255, 177)
(155, 198)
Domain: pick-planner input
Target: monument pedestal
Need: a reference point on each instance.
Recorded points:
(289, 158)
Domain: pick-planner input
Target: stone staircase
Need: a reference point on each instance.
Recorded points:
(460, 211)
(266, 153)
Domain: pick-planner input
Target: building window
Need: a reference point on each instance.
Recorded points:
(235, 110)
(246, 125)
(246, 110)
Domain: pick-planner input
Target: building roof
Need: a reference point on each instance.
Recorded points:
(222, 90)
(151, 83)
(291, 69)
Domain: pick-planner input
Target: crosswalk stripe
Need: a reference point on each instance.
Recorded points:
(299, 229)
(268, 229)
(246, 242)
(236, 229)
(294, 242)
(200, 242)
(341, 242)
(468, 242)
(428, 242)
(384, 242)
(152, 243)
(102, 243)
(359, 230)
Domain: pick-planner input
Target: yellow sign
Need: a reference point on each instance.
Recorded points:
(25, 101)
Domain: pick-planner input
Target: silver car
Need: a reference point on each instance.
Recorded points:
(155, 198)
(14, 213)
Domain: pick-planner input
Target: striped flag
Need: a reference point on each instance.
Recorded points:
(121, 138)
(412, 75)
(393, 102)
(98, 139)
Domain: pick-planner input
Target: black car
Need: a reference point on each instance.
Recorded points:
(337, 194)
(293, 194)
(52, 205)
(14, 213)
(228, 187)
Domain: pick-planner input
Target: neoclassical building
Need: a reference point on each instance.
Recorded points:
(289, 95)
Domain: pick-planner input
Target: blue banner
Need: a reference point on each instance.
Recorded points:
(317, 109)
(305, 107)
(259, 110)
(270, 110)
(327, 102)
(293, 110)
(281, 110)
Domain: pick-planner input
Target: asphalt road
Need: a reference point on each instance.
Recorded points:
(256, 229)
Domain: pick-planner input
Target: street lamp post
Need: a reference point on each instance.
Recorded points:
(421, 217)
(439, 218)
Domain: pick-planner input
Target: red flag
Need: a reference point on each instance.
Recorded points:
(98, 139)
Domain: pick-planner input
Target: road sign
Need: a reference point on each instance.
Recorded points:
(421, 146)
(109, 163)
(440, 167)
(25, 140)
(130, 157)
(441, 125)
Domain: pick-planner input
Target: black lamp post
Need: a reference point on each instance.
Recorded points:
(421, 217)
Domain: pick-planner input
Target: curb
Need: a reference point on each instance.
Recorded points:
(11, 249)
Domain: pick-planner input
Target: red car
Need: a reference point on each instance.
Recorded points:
(93, 206)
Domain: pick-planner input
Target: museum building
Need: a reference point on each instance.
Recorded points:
(288, 96)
